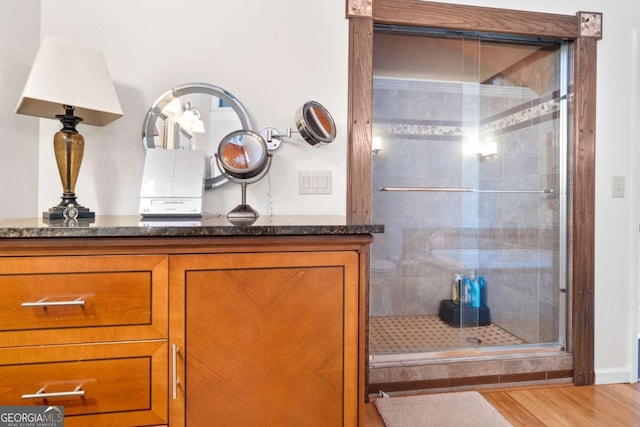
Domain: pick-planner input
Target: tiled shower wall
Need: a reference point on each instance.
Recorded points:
(509, 238)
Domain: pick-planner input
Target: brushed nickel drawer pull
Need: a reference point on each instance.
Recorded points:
(41, 394)
(174, 368)
(44, 303)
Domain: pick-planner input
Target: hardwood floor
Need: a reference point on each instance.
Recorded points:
(558, 405)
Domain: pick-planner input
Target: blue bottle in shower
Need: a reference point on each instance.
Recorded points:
(483, 291)
(475, 292)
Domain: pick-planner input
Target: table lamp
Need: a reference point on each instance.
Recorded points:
(72, 84)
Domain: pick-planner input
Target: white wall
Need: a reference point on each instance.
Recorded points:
(19, 40)
(274, 55)
(634, 243)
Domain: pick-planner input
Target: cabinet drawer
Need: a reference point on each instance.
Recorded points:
(89, 298)
(117, 384)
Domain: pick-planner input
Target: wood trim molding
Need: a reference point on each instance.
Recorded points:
(359, 121)
(471, 18)
(356, 8)
(583, 256)
(585, 28)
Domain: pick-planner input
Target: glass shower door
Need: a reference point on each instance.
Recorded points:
(468, 179)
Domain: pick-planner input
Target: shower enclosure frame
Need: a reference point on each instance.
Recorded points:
(583, 30)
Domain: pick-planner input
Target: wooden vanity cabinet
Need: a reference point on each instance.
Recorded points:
(88, 332)
(266, 339)
(250, 331)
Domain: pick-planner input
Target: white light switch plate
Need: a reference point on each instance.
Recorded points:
(617, 186)
(314, 182)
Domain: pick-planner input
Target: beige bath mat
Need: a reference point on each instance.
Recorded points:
(459, 409)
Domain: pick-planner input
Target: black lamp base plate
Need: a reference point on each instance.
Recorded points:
(57, 212)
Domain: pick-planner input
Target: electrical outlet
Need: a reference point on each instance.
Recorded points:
(314, 182)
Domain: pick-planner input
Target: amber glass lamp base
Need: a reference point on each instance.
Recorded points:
(68, 146)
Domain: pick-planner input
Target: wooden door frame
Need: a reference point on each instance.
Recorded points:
(584, 29)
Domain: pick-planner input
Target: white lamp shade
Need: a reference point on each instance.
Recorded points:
(67, 74)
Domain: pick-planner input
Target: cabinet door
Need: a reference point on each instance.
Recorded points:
(271, 339)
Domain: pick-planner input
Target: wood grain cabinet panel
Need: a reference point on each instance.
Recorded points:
(260, 331)
(93, 327)
(66, 299)
(123, 384)
(267, 339)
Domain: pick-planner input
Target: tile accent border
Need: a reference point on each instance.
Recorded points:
(421, 129)
(494, 370)
(539, 110)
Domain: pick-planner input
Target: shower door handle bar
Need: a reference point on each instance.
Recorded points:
(430, 189)
(545, 191)
(463, 190)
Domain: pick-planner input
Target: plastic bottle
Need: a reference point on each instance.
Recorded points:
(455, 289)
(475, 292)
(483, 291)
(465, 291)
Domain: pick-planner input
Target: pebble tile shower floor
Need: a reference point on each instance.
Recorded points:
(415, 334)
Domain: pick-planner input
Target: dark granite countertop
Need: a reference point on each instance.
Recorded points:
(207, 226)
